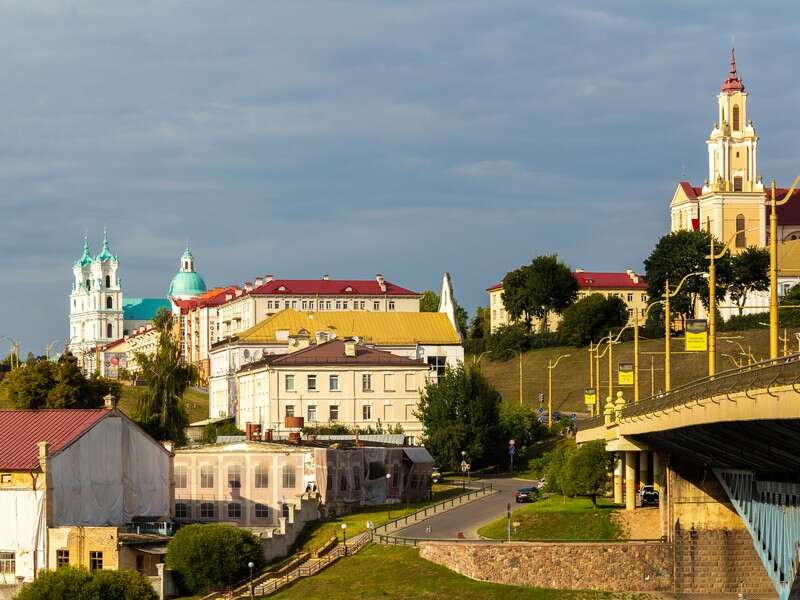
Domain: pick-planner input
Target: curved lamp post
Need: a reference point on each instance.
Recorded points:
(550, 366)
(667, 323)
(773, 265)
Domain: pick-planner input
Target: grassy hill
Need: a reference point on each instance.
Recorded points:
(572, 374)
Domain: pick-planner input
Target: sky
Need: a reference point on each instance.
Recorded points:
(405, 138)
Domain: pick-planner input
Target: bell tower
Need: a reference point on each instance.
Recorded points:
(733, 143)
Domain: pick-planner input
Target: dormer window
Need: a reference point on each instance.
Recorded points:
(348, 289)
(282, 288)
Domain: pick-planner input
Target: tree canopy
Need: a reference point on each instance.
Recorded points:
(749, 273)
(590, 318)
(429, 301)
(71, 582)
(535, 291)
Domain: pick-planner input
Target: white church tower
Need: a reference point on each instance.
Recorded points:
(95, 304)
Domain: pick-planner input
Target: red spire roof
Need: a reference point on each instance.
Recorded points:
(733, 83)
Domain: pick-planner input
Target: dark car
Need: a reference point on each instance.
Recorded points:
(648, 496)
(526, 494)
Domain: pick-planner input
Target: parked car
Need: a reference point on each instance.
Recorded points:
(648, 496)
(526, 494)
(436, 475)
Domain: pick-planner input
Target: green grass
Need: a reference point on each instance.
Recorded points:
(317, 533)
(572, 374)
(557, 518)
(390, 572)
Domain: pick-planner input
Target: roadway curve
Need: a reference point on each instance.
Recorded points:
(468, 518)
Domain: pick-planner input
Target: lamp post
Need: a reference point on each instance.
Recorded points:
(591, 375)
(388, 486)
(252, 591)
(550, 366)
(344, 537)
(773, 265)
(667, 324)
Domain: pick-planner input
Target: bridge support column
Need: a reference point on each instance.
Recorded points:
(619, 464)
(658, 472)
(644, 467)
(630, 480)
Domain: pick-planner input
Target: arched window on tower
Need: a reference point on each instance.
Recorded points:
(108, 281)
(109, 331)
(109, 302)
(741, 239)
(735, 117)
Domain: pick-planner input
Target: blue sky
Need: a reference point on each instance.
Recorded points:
(353, 138)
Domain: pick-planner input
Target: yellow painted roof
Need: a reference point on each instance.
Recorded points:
(382, 328)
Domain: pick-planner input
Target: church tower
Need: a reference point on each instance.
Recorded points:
(95, 303)
(733, 143)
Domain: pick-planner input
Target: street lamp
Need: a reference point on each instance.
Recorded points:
(550, 366)
(388, 485)
(748, 354)
(773, 266)
(344, 537)
(252, 592)
(668, 324)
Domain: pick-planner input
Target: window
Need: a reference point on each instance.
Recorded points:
(366, 412)
(261, 476)
(108, 281)
(109, 302)
(333, 383)
(262, 512)
(95, 560)
(234, 477)
(207, 510)
(234, 510)
(338, 305)
(630, 296)
(630, 312)
(334, 412)
(181, 477)
(109, 330)
(285, 510)
(8, 563)
(88, 285)
(376, 305)
(363, 305)
(741, 239)
(410, 387)
(289, 383)
(181, 510)
(644, 297)
(437, 364)
(312, 383)
(388, 382)
(737, 183)
(62, 559)
(288, 473)
(366, 382)
(206, 476)
(312, 413)
(387, 412)
(290, 410)
(344, 305)
(736, 117)
(391, 304)
(269, 304)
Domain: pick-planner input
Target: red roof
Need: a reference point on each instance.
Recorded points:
(213, 297)
(789, 213)
(333, 353)
(690, 190)
(21, 430)
(598, 280)
(733, 83)
(331, 287)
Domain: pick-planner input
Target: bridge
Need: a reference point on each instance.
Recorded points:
(724, 454)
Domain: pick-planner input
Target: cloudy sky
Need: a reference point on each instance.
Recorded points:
(407, 138)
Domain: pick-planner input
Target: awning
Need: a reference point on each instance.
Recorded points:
(156, 550)
(418, 455)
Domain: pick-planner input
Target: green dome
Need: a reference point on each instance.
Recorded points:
(186, 283)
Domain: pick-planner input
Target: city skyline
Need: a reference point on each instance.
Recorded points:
(405, 140)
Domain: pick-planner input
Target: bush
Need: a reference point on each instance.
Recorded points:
(214, 555)
(212, 430)
(70, 582)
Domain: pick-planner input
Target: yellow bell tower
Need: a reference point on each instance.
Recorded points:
(733, 143)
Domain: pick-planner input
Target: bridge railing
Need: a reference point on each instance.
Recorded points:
(761, 375)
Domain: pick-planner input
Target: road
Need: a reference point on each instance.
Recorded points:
(468, 518)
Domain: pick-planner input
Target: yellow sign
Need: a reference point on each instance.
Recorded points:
(696, 335)
(589, 396)
(625, 374)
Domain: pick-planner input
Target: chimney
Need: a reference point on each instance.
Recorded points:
(267, 278)
(295, 424)
(238, 292)
(259, 281)
(43, 452)
(248, 286)
(228, 297)
(326, 277)
(632, 274)
(381, 282)
(252, 432)
(170, 446)
(110, 402)
(268, 435)
(350, 347)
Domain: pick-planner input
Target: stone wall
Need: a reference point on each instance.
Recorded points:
(612, 566)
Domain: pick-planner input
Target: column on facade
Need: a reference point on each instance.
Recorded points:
(619, 465)
(630, 480)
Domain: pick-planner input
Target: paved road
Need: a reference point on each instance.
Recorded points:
(468, 518)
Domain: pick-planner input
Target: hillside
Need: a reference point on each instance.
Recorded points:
(572, 374)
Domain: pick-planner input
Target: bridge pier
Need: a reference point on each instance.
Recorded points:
(630, 480)
(619, 465)
(644, 468)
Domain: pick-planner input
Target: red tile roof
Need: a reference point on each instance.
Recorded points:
(690, 190)
(331, 287)
(332, 353)
(789, 213)
(21, 430)
(213, 297)
(599, 280)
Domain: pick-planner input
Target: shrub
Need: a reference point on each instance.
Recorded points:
(206, 556)
(71, 582)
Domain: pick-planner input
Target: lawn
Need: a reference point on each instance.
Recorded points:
(557, 518)
(390, 572)
(317, 533)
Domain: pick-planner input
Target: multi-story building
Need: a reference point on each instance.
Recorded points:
(256, 302)
(73, 485)
(120, 355)
(627, 286)
(339, 381)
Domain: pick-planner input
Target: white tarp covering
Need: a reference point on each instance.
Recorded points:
(110, 474)
(22, 531)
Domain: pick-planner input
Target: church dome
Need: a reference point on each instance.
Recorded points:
(186, 284)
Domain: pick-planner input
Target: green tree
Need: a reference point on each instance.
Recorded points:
(78, 584)
(749, 273)
(554, 466)
(507, 341)
(461, 412)
(429, 301)
(212, 431)
(206, 556)
(161, 410)
(520, 423)
(591, 318)
(676, 255)
(119, 585)
(480, 326)
(540, 289)
(29, 385)
(585, 470)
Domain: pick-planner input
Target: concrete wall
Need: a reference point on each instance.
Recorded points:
(622, 567)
